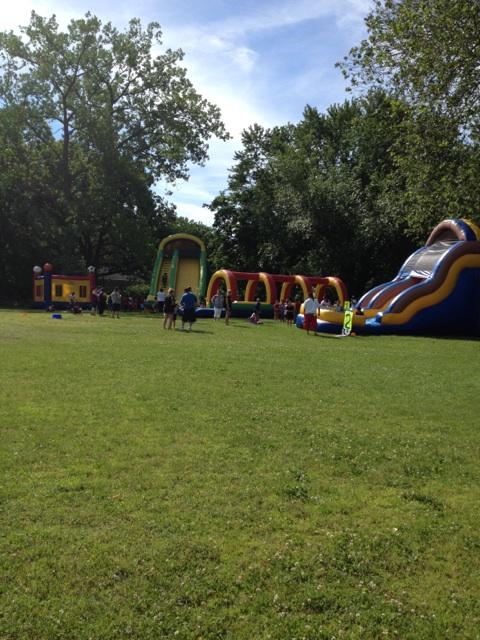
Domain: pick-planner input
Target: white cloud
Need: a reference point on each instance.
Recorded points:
(193, 191)
(194, 212)
(15, 14)
(244, 58)
(226, 69)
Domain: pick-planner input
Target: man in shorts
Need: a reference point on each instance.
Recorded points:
(188, 303)
(116, 300)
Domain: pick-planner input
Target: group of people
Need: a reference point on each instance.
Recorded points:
(286, 310)
(101, 301)
(168, 305)
(114, 302)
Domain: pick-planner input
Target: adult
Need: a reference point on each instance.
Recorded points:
(94, 299)
(310, 307)
(169, 309)
(228, 306)
(116, 302)
(218, 302)
(188, 302)
(160, 300)
(101, 301)
(289, 312)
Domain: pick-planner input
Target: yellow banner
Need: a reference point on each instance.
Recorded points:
(347, 319)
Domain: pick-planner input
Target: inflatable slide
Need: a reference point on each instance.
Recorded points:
(436, 291)
(181, 262)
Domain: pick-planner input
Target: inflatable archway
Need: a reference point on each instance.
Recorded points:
(315, 284)
(230, 279)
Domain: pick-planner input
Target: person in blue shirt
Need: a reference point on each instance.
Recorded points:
(188, 303)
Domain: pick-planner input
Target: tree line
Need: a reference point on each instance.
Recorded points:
(91, 118)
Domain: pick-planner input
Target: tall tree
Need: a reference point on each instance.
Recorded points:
(427, 54)
(246, 220)
(110, 116)
(427, 51)
(320, 197)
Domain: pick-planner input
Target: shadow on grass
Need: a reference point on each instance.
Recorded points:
(446, 337)
(179, 330)
(239, 326)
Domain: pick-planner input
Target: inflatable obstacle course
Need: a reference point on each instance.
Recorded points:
(276, 287)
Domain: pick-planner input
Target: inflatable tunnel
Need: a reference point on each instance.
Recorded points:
(277, 287)
(436, 291)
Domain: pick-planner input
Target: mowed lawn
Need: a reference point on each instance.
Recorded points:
(236, 482)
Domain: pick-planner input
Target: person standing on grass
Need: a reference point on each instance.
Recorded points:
(188, 303)
(310, 307)
(169, 309)
(94, 299)
(289, 311)
(228, 306)
(218, 305)
(116, 302)
(101, 301)
(160, 300)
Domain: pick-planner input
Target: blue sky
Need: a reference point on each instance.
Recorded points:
(259, 61)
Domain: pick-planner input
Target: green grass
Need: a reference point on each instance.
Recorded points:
(237, 482)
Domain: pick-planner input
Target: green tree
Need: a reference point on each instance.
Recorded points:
(426, 51)
(321, 197)
(109, 117)
(25, 200)
(246, 220)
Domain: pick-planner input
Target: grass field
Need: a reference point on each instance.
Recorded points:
(236, 482)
